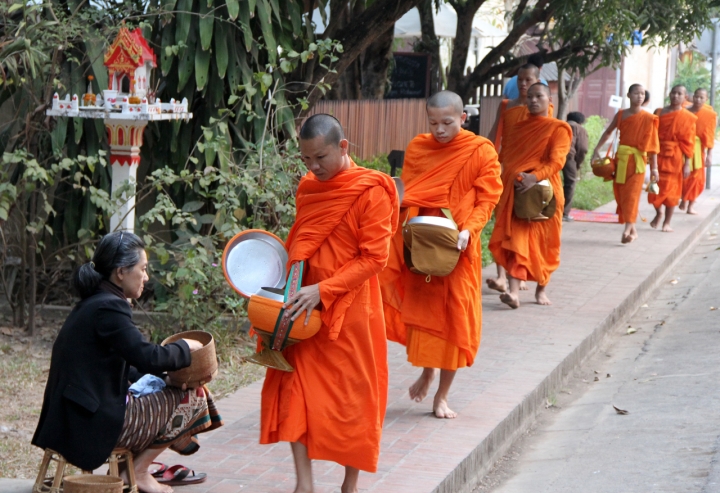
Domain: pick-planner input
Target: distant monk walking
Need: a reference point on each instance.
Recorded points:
(677, 146)
(439, 318)
(332, 406)
(639, 145)
(704, 143)
(533, 152)
(574, 159)
(509, 113)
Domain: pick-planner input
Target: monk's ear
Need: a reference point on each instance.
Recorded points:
(344, 147)
(463, 117)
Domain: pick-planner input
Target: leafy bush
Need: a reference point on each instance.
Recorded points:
(594, 125)
(379, 163)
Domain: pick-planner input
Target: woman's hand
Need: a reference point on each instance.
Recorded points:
(527, 181)
(305, 299)
(686, 168)
(193, 344)
(463, 240)
(595, 155)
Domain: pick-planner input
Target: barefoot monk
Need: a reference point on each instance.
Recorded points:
(332, 406)
(509, 113)
(677, 146)
(638, 145)
(533, 152)
(439, 317)
(704, 142)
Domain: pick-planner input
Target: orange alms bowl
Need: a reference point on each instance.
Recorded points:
(264, 309)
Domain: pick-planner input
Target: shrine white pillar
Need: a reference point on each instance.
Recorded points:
(125, 139)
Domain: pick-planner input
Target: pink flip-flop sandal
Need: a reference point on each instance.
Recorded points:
(180, 475)
(157, 469)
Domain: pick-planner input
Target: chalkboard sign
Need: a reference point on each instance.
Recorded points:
(410, 76)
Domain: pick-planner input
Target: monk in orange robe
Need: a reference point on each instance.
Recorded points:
(638, 145)
(534, 151)
(439, 318)
(509, 113)
(332, 406)
(677, 146)
(704, 142)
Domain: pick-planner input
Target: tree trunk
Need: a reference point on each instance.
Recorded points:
(375, 64)
(566, 91)
(430, 44)
(32, 255)
(22, 288)
(461, 46)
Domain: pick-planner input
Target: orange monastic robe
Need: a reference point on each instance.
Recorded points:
(705, 138)
(677, 141)
(509, 117)
(639, 131)
(334, 402)
(439, 319)
(530, 251)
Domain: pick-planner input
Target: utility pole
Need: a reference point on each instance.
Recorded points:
(713, 82)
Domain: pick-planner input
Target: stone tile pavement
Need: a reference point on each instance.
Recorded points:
(523, 358)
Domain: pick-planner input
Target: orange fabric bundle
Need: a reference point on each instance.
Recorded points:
(641, 132)
(334, 402)
(705, 131)
(464, 176)
(509, 117)
(531, 250)
(676, 132)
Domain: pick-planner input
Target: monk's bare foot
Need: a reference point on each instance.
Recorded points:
(692, 211)
(633, 236)
(441, 409)
(682, 205)
(523, 286)
(497, 284)
(654, 223)
(625, 238)
(541, 297)
(147, 484)
(419, 390)
(667, 229)
(510, 300)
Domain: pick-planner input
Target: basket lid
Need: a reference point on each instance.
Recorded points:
(254, 259)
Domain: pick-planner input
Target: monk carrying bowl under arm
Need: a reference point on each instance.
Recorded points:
(677, 146)
(639, 145)
(509, 113)
(535, 150)
(694, 184)
(332, 406)
(439, 318)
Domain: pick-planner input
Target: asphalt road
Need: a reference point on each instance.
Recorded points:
(666, 375)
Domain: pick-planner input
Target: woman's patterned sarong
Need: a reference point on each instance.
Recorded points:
(171, 418)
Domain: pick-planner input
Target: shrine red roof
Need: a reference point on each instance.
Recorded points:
(129, 51)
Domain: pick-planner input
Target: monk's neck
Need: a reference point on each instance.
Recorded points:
(633, 110)
(694, 109)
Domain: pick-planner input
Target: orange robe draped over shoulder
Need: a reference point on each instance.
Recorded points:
(334, 402)
(509, 117)
(440, 321)
(641, 132)
(531, 250)
(677, 141)
(705, 133)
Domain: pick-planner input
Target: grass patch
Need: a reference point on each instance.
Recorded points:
(591, 192)
(487, 257)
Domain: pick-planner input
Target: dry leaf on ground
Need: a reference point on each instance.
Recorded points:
(674, 281)
(620, 411)
(631, 330)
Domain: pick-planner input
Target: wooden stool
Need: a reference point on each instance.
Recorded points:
(53, 484)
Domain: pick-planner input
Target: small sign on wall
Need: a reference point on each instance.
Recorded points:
(615, 102)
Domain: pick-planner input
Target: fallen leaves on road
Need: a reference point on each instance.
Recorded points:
(631, 330)
(674, 281)
(620, 411)
(6, 331)
(713, 308)
(644, 306)
(608, 376)
(597, 379)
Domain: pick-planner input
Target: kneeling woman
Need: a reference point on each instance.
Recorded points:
(87, 410)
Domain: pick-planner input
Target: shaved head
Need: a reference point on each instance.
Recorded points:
(533, 69)
(322, 125)
(701, 90)
(635, 86)
(679, 86)
(542, 87)
(446, 99)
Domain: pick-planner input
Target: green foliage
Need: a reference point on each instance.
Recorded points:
(591, 192)
(693, 74)
(379, 163)
(594, 125)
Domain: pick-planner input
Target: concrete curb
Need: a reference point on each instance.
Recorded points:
(470, 472)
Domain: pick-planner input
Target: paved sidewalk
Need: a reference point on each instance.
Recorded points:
(524, 355)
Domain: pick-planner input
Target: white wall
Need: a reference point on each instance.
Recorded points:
(647, 66)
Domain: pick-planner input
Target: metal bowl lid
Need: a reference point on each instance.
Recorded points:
(435, 221)
(254, 259)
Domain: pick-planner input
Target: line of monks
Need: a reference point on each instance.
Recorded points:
(348, 231)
